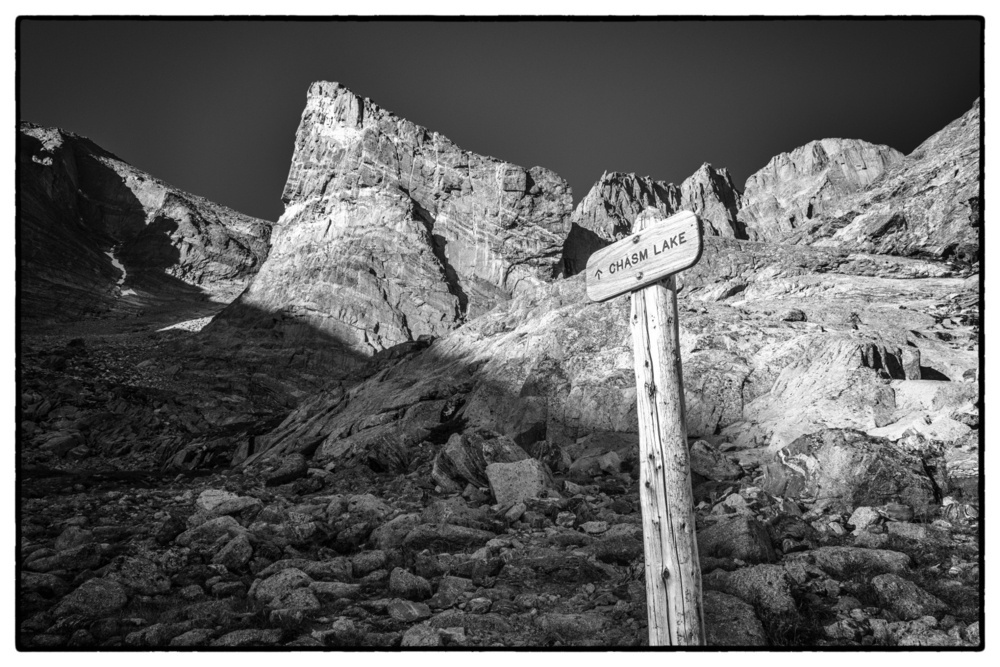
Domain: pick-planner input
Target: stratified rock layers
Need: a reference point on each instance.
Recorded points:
(392, 232)
(82, 209)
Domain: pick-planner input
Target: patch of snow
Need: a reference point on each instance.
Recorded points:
(118, 265)
(196, 324)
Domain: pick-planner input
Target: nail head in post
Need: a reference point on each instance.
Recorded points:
(638, 276)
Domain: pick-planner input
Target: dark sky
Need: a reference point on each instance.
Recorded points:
(211, 107)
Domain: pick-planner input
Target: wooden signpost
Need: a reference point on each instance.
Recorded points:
(644, 264)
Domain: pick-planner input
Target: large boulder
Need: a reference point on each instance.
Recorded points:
(517, 482)
(741, 537)
(846, 469)
(94, 598)
(905, 598)
(466, 457)
(729, 621)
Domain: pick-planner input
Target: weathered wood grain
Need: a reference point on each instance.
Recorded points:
(673, 576)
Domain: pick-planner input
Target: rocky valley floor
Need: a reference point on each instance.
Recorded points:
(136, 531)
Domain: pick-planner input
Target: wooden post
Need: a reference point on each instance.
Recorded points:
(673, 574)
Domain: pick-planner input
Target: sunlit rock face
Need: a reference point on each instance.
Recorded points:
(85, 216)
(855, 195)
(607, 212)
(809, 182)
(392, 232)
(927, 205)
(776, 342)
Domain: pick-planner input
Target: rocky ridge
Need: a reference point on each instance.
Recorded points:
(607, 212)
(843, 193)
(810, 182)
(96, 233)
(464, 232)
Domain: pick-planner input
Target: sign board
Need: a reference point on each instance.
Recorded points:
(645, 257)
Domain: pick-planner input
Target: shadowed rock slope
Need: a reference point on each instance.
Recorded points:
(93, 228)
(392, 232)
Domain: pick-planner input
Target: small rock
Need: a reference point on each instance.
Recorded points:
(139, 575)
(594, 527)
(515, 512)
(742, 537)
(610, 463)
(449, 590)
(94, 598)
(209, 499)
(905, 598)
(300, 599)
(368, 561)
(844, 561)
(408, 585)
(330, 591)
(73, 537)
(512, 483)
(712, 464)
(910, 531)
(572, 626)
(730, 621)
(896, 512)
(863, 517)
(764, 585)
(249, 637)
(209, 532)
(235, 554)
(421, 635)
(280, 584)
(870, 540)
(191, 592)
(408, 611)
(445, 537)
(478, 605)
(292, 467)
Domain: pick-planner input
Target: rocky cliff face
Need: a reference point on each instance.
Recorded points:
(926, 205)
(810, 182)
(392, 232)
(607, 212)
(87, 220)
(871, 198)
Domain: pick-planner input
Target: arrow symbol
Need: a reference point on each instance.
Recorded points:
(598, 274)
